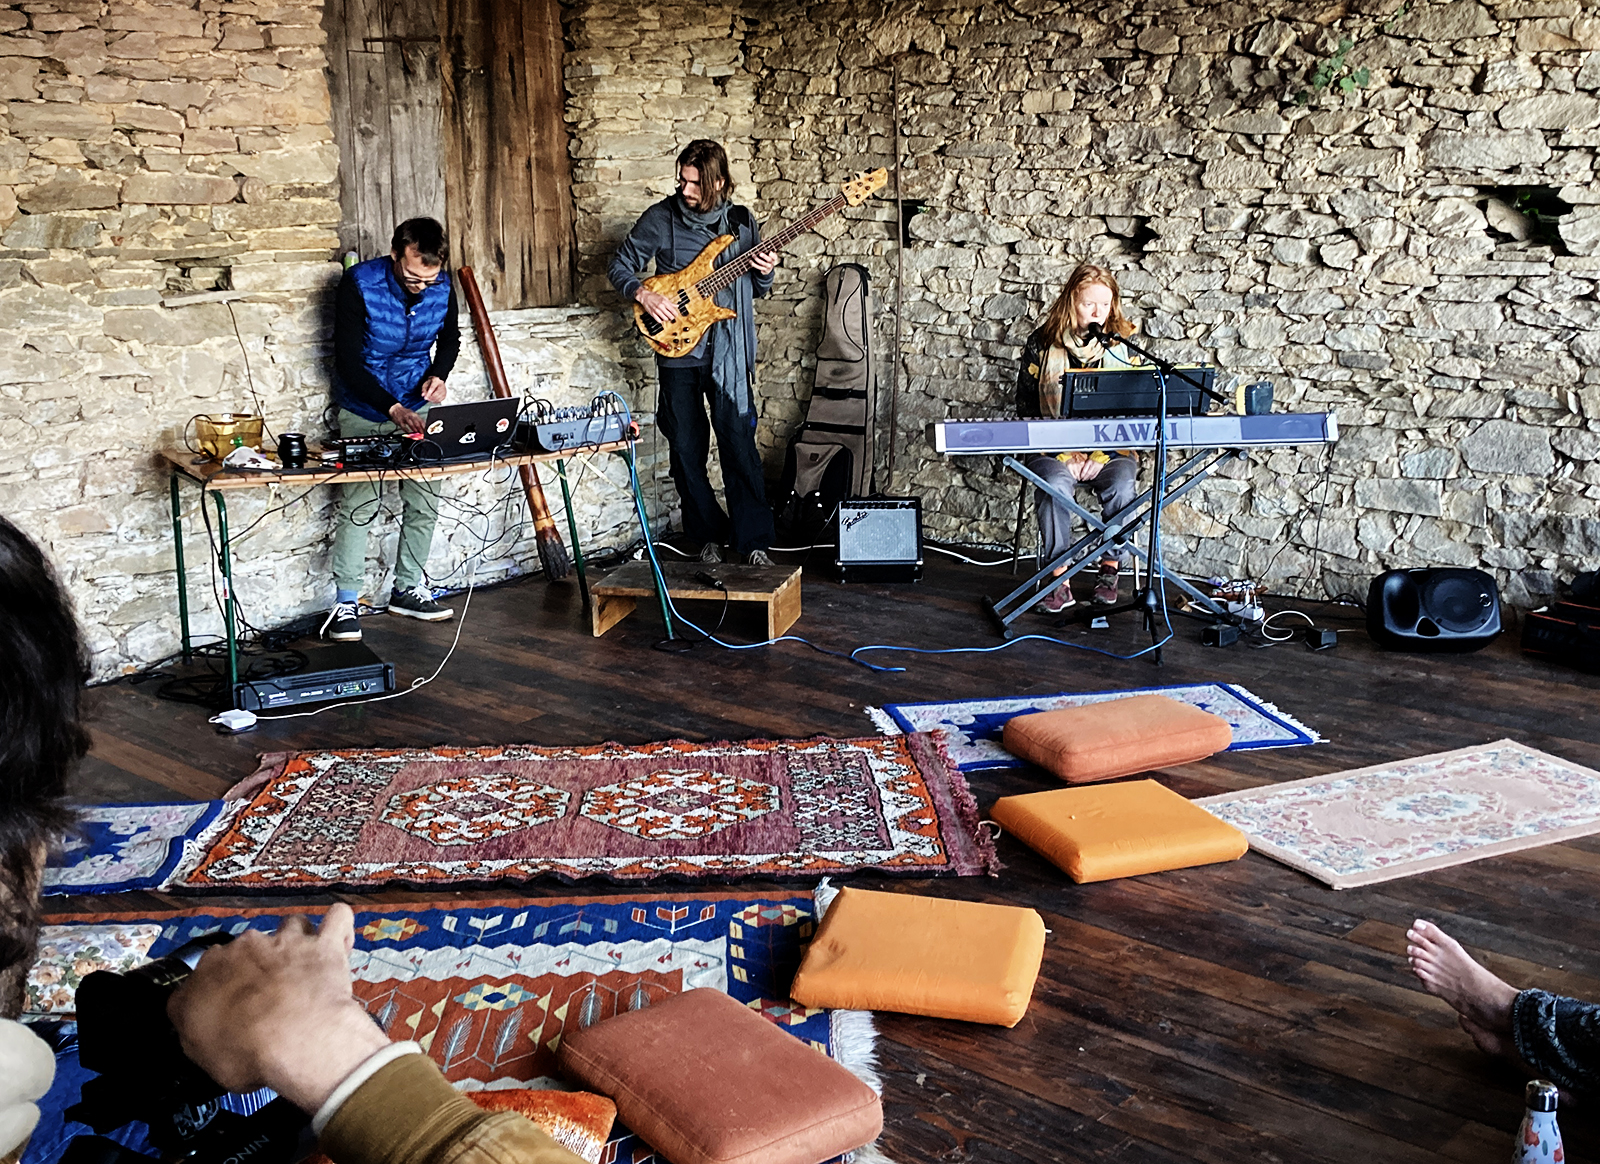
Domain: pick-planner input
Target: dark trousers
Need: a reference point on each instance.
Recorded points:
(685, 396)
(1559, 1038)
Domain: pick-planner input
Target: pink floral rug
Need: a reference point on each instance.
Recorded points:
(1410, 816)
(624, 812)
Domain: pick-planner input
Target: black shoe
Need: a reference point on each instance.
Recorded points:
(343, 624)
(418, 602)
(711, 553)
(759, 558)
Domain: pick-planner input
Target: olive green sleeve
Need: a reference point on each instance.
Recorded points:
(408, 1114)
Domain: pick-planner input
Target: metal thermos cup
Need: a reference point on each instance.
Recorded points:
(292, 450)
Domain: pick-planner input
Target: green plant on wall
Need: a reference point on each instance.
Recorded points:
(1334, 74)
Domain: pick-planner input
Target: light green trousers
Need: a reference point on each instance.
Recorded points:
(359, 507)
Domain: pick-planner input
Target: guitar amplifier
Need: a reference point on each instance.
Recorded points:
(880, 540)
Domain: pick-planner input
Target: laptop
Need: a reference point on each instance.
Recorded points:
(1131, 392)
(467, 432)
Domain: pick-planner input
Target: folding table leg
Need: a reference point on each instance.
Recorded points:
(655, 568)
(227, 596)
(572, 529)
(183, 577)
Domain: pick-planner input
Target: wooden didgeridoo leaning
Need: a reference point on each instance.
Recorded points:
(552, 550)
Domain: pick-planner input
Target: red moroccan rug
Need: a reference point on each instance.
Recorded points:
(814, 807)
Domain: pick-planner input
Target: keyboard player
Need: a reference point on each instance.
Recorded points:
(1091, 296)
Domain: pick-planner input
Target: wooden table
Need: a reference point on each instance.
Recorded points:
(218, 480)
(777, 587)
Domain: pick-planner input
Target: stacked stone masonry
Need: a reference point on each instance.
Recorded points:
(1362, 247)
(168, 199)
(168, 203)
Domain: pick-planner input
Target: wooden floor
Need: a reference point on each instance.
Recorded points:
(1235, 1012)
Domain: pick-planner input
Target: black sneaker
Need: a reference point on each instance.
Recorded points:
(418, 602)
(343, 624)
(759, 558)
(711, 553)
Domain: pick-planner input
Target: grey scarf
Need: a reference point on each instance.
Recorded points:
(715, 220)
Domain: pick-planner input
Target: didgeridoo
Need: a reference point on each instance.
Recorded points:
(552, 550)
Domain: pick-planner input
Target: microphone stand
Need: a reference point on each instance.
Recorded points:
(1151, 598)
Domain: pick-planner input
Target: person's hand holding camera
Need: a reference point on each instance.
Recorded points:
(277, 1011)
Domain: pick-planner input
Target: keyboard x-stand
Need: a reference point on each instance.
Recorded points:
(1150, 600)
(1212, 439)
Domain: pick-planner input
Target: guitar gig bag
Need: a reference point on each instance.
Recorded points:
(830, 457)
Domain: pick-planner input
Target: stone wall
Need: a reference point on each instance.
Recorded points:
(1361, 248)
(168, 199)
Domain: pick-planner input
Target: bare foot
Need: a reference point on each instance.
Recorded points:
(1447, 971)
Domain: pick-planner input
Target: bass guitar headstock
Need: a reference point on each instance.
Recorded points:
(864, 185)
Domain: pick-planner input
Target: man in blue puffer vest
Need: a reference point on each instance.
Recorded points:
(395, 339)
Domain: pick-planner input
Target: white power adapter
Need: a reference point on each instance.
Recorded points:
(234, 720)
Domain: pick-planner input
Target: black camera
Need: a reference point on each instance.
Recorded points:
(124, 1035)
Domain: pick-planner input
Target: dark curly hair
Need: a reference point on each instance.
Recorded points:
(43, 669)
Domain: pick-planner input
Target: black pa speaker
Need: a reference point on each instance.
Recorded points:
(880, 540)
(1433, 610)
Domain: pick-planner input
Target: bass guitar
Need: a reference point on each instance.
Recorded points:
(694, 289)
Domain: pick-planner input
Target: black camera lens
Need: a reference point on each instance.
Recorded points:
(118, 1011)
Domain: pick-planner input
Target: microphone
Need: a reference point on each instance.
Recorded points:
(1096, 331)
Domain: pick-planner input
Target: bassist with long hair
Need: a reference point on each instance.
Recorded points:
(716, 374)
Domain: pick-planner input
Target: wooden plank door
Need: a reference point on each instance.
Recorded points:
(384, 79)
(508, 178)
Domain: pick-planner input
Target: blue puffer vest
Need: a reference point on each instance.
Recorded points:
(399, 341)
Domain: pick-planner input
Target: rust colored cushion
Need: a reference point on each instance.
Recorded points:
(706, 1080)
(1118, 830)
(923, 955)
(1116, 738)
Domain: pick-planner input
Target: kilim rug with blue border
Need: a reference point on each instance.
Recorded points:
(489, 987)
(972, 727)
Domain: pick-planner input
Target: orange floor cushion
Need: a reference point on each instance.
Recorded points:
(923, 955)
(1117, 737)
(1118, 830)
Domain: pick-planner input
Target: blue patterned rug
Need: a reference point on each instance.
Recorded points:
(973, 727)
(121, 847)
(488, 986)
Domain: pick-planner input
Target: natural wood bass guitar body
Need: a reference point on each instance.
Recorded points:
(694, 289)
(696, 312)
